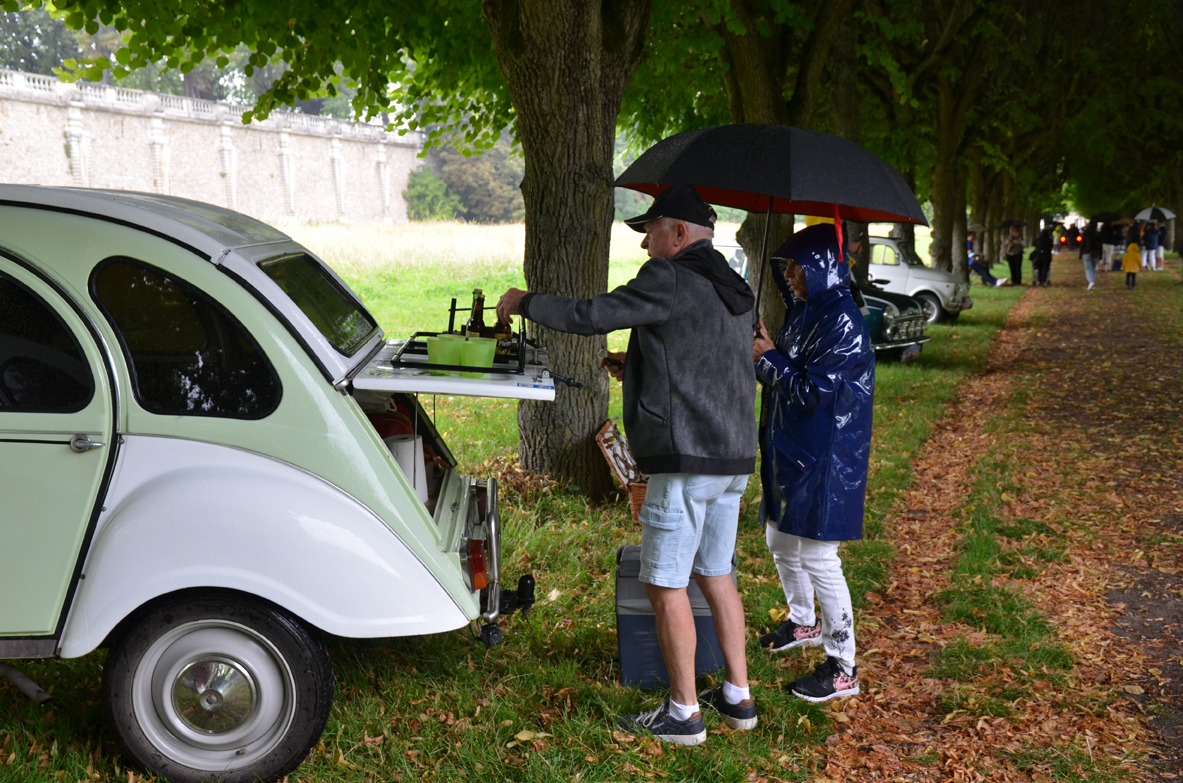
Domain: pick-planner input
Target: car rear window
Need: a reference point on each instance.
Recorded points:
(333, 311)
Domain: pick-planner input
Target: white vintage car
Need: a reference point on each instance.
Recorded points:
(895, 267)
(210, 457)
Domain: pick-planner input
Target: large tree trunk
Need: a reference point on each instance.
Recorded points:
(906, 232)
(943, 193)
(960, 234)
(566, 66)
(756, 68)
(954, 99)
(847, 104)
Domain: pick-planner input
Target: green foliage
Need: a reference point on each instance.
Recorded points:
(428, 198)
(417, 65)
(35, 42)
(487, 183)
(681, 83)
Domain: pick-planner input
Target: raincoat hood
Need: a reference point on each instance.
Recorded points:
(815, 250)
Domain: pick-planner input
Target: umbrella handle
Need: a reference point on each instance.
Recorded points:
(763, 254)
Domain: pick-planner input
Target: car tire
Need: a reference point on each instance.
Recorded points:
(934, 311)
(217, 687)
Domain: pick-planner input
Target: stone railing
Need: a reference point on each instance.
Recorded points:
(16, 85)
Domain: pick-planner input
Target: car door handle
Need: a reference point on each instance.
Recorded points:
(82, 444)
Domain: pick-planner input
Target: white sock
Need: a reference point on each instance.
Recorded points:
(682, 711)
(734, 695)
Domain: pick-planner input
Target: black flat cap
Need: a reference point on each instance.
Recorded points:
(681, 202)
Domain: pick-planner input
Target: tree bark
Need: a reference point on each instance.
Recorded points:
(757, 74)
(847, 107)
(954, 99)
(960, 234)
(566, 66)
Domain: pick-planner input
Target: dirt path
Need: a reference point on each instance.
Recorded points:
(1032, 624)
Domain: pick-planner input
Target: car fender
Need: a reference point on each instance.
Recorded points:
(922, 289)
(182, 514)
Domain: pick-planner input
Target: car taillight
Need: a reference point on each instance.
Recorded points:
(476, 564)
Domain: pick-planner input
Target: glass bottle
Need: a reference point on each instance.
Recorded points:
(476, 319)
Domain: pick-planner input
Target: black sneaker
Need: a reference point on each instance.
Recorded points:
(828, 681)
(790, 635)
(737, 716)
(662, 725)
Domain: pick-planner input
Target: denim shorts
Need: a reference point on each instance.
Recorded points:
(688, 523)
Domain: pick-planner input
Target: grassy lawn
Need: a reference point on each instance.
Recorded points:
(540, 707)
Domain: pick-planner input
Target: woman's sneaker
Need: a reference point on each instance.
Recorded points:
(662, 725)
(828, 681)
(790, 635)
(737, 716)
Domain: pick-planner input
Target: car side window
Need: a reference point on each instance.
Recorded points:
(187, 354)
(42, 367)
(883, 255)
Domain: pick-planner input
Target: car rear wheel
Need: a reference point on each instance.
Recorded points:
(934, 311)
(217, 688)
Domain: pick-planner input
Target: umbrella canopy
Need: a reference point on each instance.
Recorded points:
(777, 168)
(1155, 213)
(1105, 217)
(1009, 223)
(1124, 222)
(977, 228)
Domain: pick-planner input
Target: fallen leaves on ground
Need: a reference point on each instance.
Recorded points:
(1076, 391)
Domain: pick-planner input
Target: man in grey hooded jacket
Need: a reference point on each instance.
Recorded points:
(689, 392)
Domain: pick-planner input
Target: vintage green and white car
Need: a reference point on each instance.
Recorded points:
(208, 463)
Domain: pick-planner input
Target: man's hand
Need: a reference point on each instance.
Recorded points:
(763, 343)
(507, 305)
(613, 362)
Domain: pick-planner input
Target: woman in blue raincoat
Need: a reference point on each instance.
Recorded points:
(815, 446)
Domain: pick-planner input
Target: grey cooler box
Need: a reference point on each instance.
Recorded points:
(641, 663)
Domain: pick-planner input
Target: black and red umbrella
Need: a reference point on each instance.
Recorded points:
(777, 168)
(801, 172)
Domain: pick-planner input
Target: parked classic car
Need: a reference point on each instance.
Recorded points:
(897, 325)
(737, 259)
(208, 461)
(896, 268)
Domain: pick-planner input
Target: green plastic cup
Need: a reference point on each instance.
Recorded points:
(442, 351)
(477, 352)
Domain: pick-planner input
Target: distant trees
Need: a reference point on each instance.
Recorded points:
(478, 188)
(35, 42)
(428, 198)
(487, 184)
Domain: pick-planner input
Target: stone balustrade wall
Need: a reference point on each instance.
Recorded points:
(289, 167)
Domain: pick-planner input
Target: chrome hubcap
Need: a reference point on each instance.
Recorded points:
(214, 696)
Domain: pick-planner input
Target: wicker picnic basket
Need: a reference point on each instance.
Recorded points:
(620, 459)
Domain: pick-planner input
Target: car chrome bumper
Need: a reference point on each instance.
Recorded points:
(902, 344)
(496, 601)
(493, 546)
